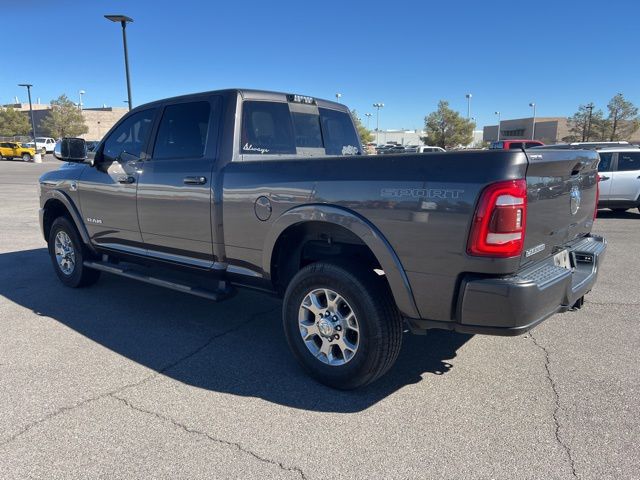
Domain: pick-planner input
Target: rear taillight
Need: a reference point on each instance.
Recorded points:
(595, 209)
(499, 222)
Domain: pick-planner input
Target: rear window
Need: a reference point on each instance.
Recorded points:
(307, 130)
(628, 161)
(267, 129)
(531, 144)
(605, 162)
(515, 146)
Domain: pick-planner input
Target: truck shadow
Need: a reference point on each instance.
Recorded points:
(631, 213)
(235, 347)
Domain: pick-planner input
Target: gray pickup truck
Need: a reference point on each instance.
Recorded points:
(240, 188)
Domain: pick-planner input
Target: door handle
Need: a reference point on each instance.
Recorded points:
(126, 179)
(195, 180)
(603, 178)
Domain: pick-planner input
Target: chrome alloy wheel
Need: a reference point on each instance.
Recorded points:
(328, 326)
(65, 253)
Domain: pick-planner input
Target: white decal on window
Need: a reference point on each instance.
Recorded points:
(251, 148)
(349, 150)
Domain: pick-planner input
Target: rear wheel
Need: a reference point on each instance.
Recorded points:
(341, 324)
(68, 254)
(26, 157)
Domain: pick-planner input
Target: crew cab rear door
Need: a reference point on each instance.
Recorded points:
(175, 184)
(625, 179)
(561, 196)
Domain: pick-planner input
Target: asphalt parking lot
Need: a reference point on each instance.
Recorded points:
(126, 380)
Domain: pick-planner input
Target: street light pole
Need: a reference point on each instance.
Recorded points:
(378, 106)
(498, 113)
(468, 96)
(533, 126)
(81, 92)
(338, 95)
(368, 115)
(590, 108)
(123, 21)
(36, 158)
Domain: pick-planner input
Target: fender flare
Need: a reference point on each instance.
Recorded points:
(73, 211)
(364, 230)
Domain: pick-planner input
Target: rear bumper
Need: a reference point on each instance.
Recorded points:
(515, 304)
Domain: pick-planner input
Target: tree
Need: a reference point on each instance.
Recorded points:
(585, 124)
(65, 120)
(446, 128)
(363, 132)
(623, 118)
(13, 123)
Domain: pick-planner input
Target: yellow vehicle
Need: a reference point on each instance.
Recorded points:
(11, 150)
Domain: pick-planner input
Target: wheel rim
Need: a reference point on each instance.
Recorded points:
(328, 327)
(26, 157)
(65, 253)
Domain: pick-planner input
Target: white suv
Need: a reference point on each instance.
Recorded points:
(43, 144)
(619, 171)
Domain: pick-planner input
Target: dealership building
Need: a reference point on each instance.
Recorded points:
(547, 129)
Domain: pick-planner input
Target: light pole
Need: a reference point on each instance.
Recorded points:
(36, 158)
(468, 96)
(378, 106)
(368, 115)
(338, 95)
(81, 92)
(590, 108)
(498, 114)
(123, 21)
(533, 125)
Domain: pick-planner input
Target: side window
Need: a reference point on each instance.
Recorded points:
(515, 146)
(531, 144)
(628, 161)
(130, 136)
(605, 162)
(183, 131)
(339, 133)
(267, 128)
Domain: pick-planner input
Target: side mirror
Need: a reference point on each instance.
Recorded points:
(71, 150)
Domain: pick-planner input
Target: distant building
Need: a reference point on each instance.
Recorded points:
(401, 137)
(548, 129)
(98, 120)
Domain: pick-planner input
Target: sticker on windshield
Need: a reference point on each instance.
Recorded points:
(251, 148)
(349, 150)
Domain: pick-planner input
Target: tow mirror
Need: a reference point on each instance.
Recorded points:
(71, 150)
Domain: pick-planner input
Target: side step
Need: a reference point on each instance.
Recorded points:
(224, 288)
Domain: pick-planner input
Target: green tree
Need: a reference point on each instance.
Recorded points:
(65, 120)
(13, 123)
(446, 128)
(585, 125)
(365, 134)
(623, 118)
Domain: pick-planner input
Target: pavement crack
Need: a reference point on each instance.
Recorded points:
(238, 446)
(556, 409)
(59, 411)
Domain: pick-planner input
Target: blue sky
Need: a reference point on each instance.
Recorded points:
(406, 54)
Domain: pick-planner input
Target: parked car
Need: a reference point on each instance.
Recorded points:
(16, 150)
(410, 148)
(43, 144)
(380, 149)
(430, 149)
(619, 170)
(515, 144)
(394, 149)
(217, 184)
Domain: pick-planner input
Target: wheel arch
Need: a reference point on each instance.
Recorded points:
(59, 204)
(350, 224)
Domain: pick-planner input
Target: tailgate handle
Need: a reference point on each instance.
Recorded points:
(576, 168)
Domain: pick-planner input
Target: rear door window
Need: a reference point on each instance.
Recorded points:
(339, 134)
(628, 161)
(605, 162)
(515, 146)
(267, 129)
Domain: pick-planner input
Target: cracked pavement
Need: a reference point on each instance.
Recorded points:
(126, 380)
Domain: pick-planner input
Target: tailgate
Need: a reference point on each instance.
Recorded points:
(561, 197)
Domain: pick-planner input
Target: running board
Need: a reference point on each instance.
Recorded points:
(224, 288)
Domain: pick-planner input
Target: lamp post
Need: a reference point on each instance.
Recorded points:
(368, 115)
(533, 124)
(498, 114)
(378, 106)
(338, 95)
(468, 96)
(36, 158)
(590, 108)
(81, 92)
(123, 21)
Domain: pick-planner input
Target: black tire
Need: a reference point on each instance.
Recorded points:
(379, 322)
(26, 157)
(80, 276)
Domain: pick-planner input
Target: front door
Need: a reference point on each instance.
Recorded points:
(625, 181)
(175, 184)
(108, 189)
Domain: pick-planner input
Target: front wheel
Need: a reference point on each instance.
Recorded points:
(26, 157)
(341, 324)
(67, 255)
